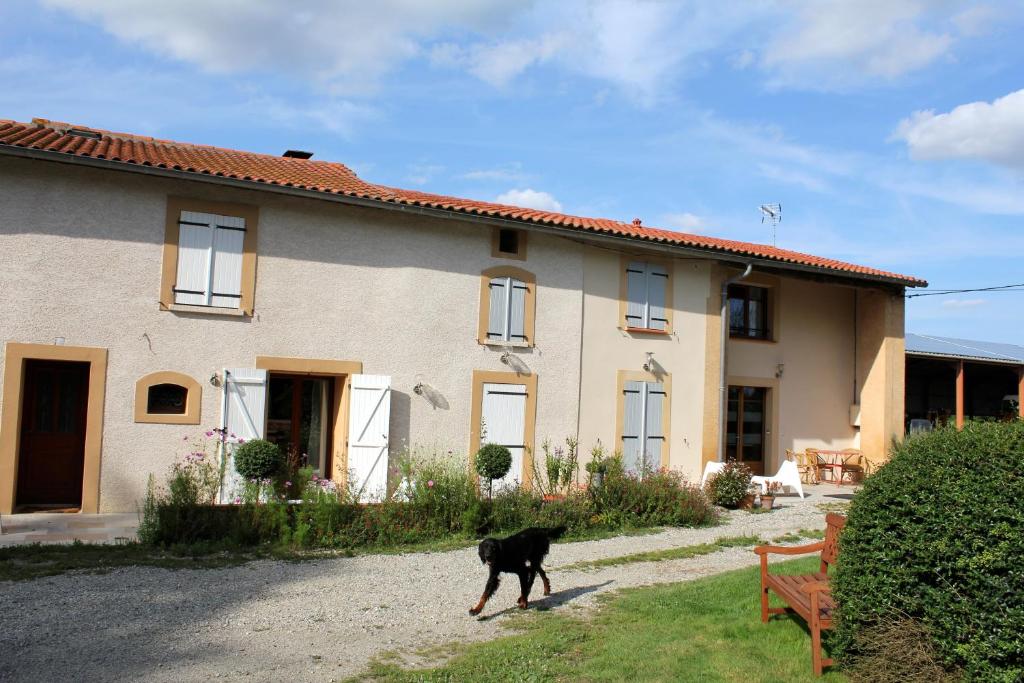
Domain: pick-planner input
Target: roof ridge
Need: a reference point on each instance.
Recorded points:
(337, 178)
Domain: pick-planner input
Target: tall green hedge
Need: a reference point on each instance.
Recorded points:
(937, 535)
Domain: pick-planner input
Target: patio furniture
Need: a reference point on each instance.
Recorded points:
(807, 467)
(709, 469)
(871, 465)
(836, 461)
(853, 464)
(788, 476)
(808, 595)
(816, 462)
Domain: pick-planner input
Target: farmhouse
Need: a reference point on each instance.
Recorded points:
(152, 288)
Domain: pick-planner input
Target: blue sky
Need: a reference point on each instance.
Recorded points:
(891, 131)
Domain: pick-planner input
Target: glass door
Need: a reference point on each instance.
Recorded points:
(299, 419)
(745, 426)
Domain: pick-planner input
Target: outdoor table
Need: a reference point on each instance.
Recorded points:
(835, 460)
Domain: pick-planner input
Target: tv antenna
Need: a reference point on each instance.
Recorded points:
(773, 214)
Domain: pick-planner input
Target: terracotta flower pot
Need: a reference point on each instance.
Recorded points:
(767, 502)
(747, 502)
(551, 497)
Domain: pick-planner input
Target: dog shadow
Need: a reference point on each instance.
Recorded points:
(548, 602)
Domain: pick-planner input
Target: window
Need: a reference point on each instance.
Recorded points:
(168, 398)
(643, 420)
(209, 256)
(646, 296)
(748, 312)
(507, 305)
(509, 243)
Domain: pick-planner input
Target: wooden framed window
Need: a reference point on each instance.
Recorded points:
(646, 296)
(168, 398)
(509, 243)
(209, 256)
(643, 420)
(749, 315)
(507, 306)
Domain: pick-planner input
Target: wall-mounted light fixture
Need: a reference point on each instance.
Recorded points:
(215, 379)
(649, 363)
(778, 370)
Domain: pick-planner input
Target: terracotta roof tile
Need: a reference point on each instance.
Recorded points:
(336, 178)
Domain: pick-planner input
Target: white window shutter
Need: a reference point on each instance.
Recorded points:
(243, 413)
(517, 311)
(369, 417)
(226, 279)
(632, 424)
(636, 294)
(657, 287)
(654, 432)
(504, 417)
(195, 244)
(497, 314)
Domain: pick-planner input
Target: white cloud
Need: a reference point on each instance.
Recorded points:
(530, 199)
(683, 221)
(986, 131)
(508, 173)
(962, 303)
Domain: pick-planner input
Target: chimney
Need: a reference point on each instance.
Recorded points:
(297, 154)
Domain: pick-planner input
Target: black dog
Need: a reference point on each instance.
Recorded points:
(520, 554)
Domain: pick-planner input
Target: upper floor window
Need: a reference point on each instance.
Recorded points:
(748, 312)
(509, 243)
(507, 303)
(209, 255)
(647, 296)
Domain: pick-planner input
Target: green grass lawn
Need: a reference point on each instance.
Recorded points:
(706, 630)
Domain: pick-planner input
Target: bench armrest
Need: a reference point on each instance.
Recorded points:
(815, 587)
(791, 549)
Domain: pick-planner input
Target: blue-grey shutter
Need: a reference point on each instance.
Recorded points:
(632, 424)
(654, 434)
(636, 294)
(517, 311)
(497, 313)
(657, 286)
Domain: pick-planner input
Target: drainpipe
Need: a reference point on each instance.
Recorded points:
(723, 388)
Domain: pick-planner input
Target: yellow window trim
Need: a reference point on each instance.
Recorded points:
(169, 273)
(15, 355)
(482, 377)
(667, 264)
(496, 251)
(529, 318)
(193, 400)
(620, 406)
(773, 284)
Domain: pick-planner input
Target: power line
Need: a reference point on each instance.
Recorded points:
(1000, 288)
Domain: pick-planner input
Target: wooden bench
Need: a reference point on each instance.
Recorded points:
(807, 595)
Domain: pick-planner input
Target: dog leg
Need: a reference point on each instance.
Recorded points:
(524, 586)
(493, 581)
(544, 578)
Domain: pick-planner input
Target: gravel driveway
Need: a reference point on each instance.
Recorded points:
(316, 620)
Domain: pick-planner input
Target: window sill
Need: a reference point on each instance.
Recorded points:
(205, 310)
(645, 330)
(502, 344)
(756, 340)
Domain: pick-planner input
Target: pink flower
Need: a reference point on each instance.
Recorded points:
(287, 483)
(238, 501)
(241, 441)
(430, 484)
(209, 433)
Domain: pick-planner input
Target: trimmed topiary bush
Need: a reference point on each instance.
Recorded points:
(937, 536)
(728, 487)
(493, 462)
(258, 459)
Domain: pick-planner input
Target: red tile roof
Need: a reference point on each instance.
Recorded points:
(335, 178)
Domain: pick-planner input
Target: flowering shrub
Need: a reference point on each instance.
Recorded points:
(655, 498)
(728, 487)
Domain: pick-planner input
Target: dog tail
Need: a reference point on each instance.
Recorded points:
(556, 532)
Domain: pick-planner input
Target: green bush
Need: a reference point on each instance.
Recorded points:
(658, 498)
(936, 536)
(493, 461)
(258, 459)
(728, 487)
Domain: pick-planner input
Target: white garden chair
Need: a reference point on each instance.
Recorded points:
(788, 476)
(709, 469)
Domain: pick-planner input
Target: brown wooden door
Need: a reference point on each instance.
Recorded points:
(746, 426)
(51, 454)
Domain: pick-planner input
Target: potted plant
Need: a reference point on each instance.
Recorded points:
(768, 495)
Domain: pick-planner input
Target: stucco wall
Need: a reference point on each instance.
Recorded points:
(81, 252)
(608, 349)
(814, 343)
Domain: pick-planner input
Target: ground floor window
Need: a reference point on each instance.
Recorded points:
(643, 421)
(299, 418)
(745, 426)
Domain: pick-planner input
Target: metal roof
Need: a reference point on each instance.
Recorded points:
(948, 347)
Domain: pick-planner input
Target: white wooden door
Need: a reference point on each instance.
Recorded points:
(369, 417)
(243, 416)
(504, 423)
